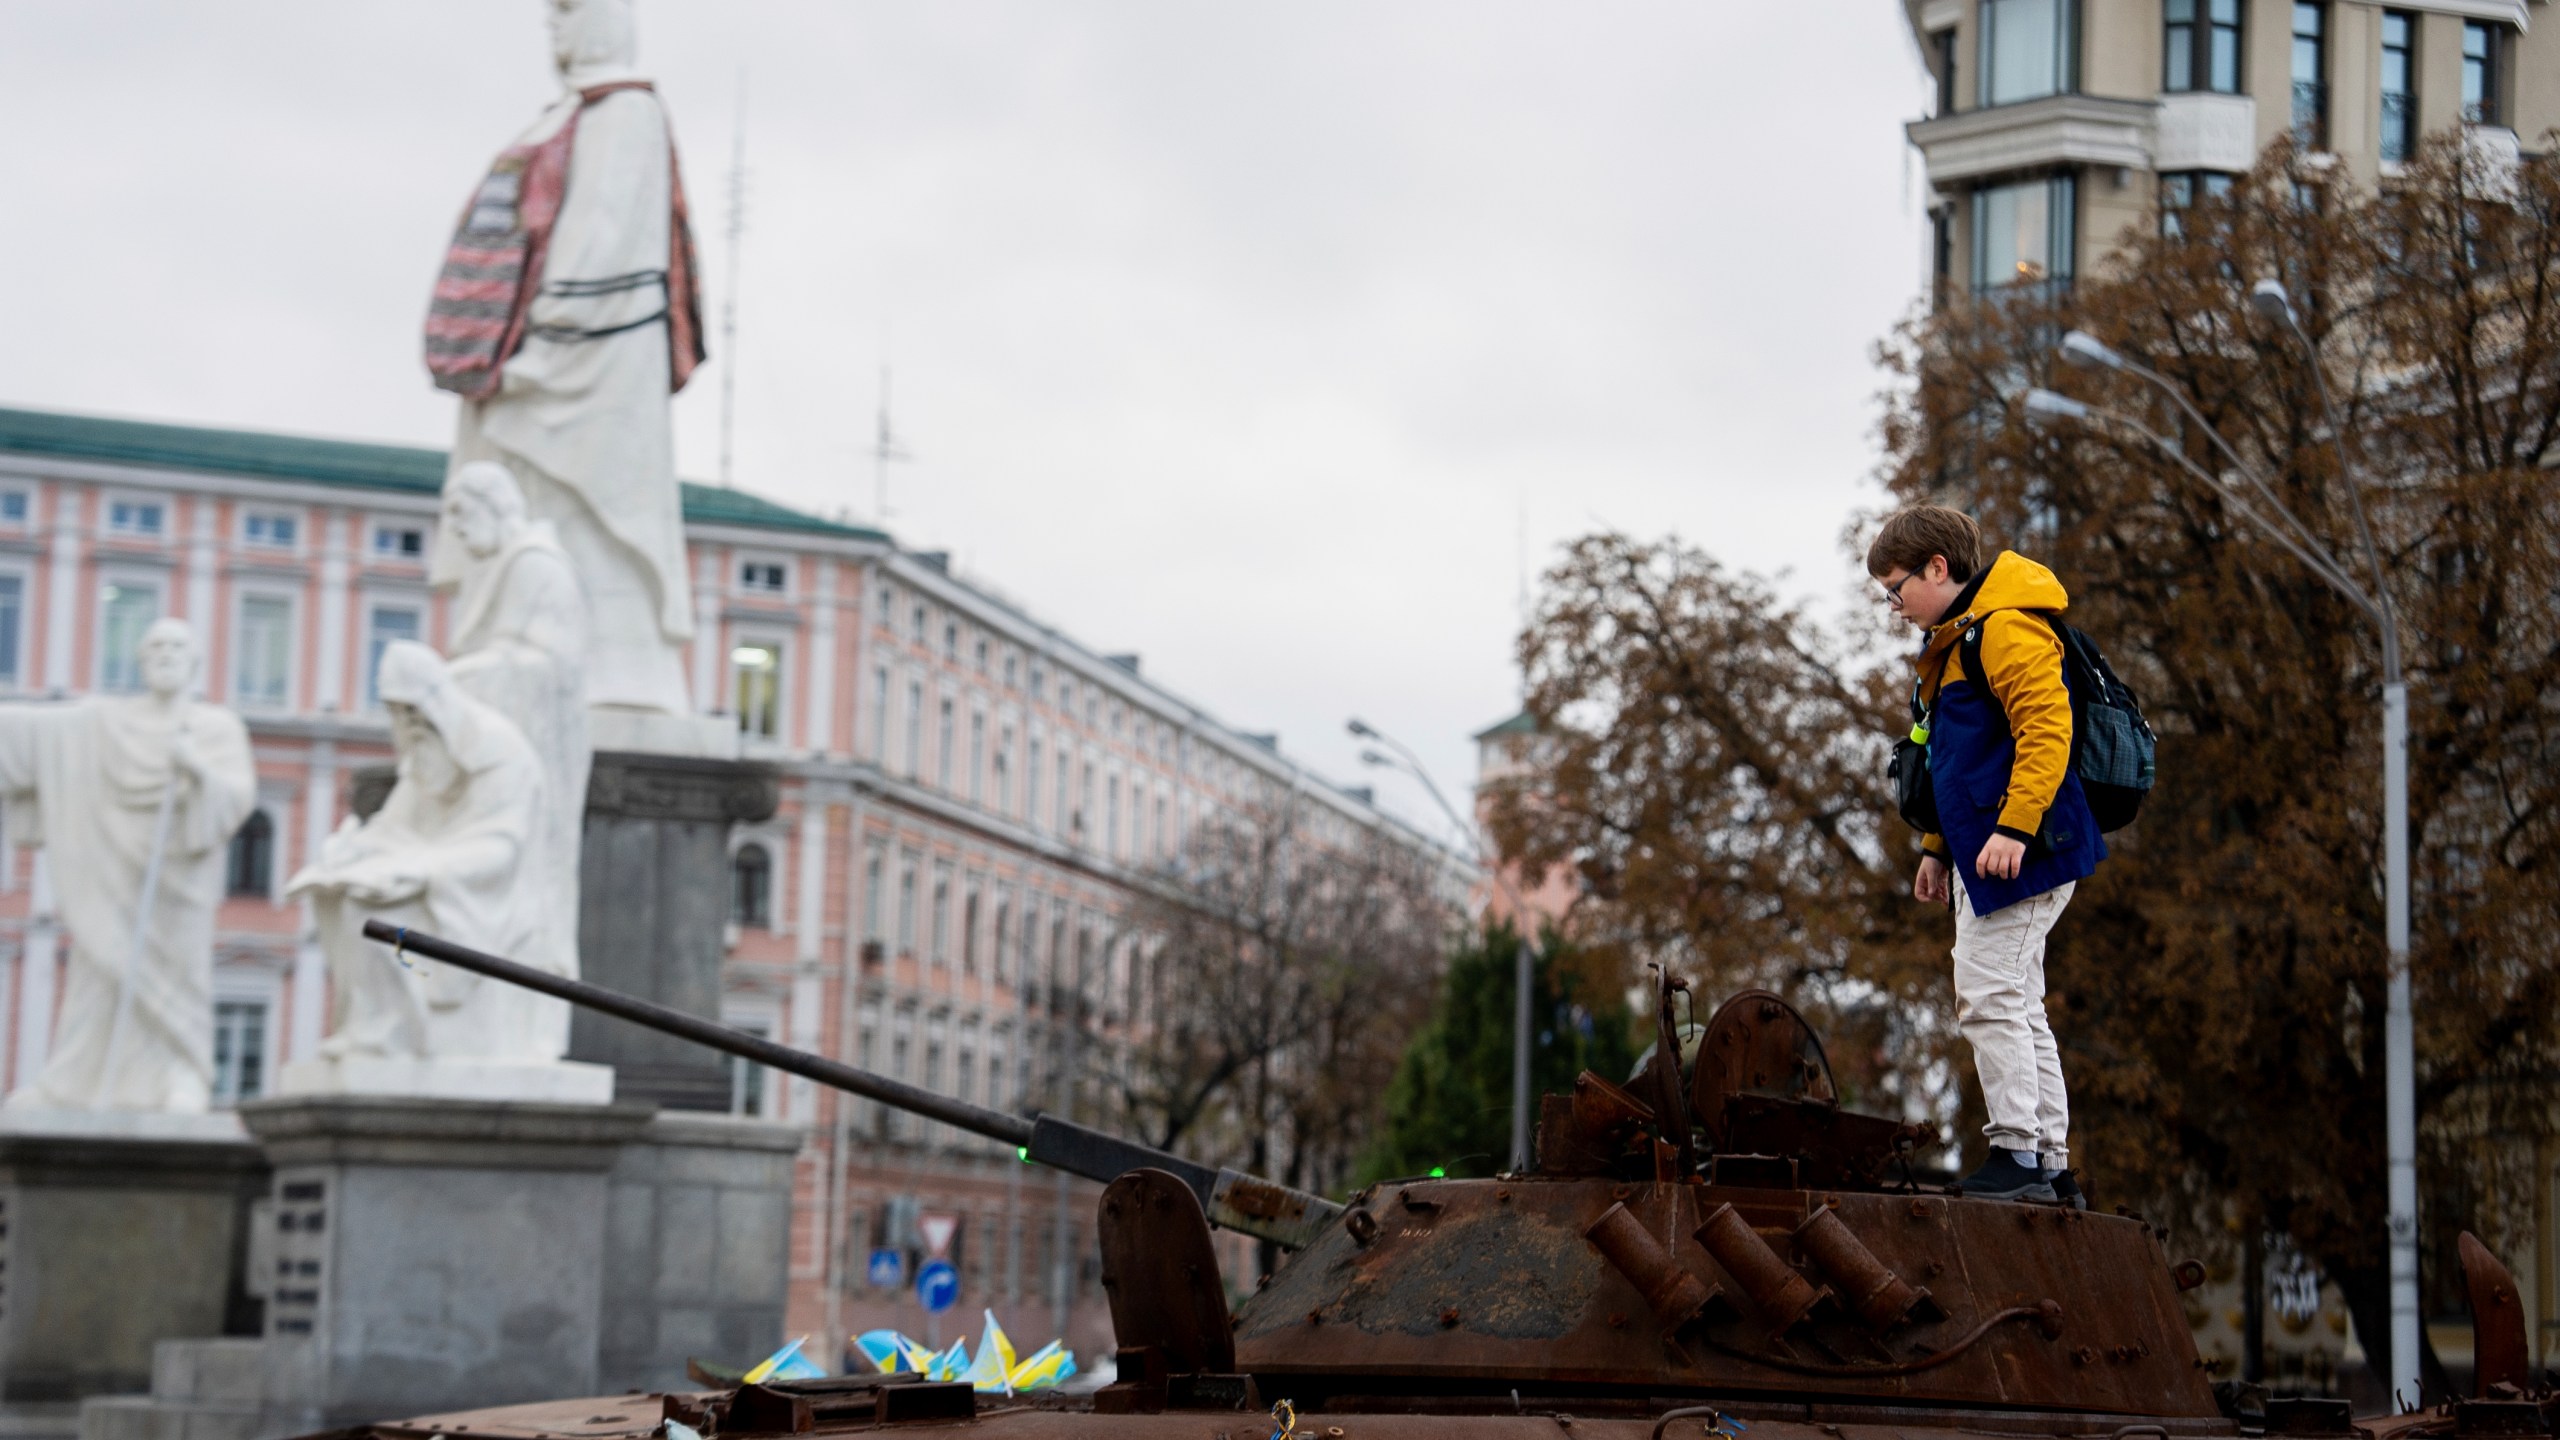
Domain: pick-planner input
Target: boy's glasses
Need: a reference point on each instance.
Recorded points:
(1893, 592)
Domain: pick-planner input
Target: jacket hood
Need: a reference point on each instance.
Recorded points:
(2013, 582)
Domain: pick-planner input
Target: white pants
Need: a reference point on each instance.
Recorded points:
(2000, 1007)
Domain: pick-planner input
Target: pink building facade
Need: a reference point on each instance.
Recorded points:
(969, 799)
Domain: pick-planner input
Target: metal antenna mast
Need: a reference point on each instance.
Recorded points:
(886, 450)
(729, 300)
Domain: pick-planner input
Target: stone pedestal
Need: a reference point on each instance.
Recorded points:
(112, 1242)
(697, 1248)
(564, 1083)
(652, 904)
(428, 1251)
(426, 1256)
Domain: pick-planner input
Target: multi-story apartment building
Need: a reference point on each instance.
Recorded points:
(969, 801)
(2058, 124)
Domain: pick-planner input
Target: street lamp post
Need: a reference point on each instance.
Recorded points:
(1524, 973)
(2279, 524)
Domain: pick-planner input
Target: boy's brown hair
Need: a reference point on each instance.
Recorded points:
(1910, 536)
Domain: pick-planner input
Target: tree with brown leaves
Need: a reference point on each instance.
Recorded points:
(2218, 986)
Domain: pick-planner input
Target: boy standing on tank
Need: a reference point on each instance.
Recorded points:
(2018, 836)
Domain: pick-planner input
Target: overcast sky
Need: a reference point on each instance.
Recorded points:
(1252, 337)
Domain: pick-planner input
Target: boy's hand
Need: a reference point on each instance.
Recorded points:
(2001, 856)
(1929, 887)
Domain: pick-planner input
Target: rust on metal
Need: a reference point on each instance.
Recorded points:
(1160, 1271)
(1783, 1296)
(1866, 1284)
(2499, 1356)
(1675, 1296)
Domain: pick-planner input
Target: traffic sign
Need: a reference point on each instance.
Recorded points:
(937, 1230)
(888, 1269)
(937, 1286)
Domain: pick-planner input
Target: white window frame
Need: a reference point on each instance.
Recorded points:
(257, 983)
(108, 502)
(740, 560)
(375, 525)
(780, 644)
(300, 521)
(372, 601)
(755, 1014)
(25, 576)
(154, 580)
(237, 650)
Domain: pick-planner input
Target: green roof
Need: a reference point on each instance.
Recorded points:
(409, 469)
(1522, 723)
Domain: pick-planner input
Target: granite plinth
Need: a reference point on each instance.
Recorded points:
(436, 1255)
(566, 1082)
(429, 1251)
(653, 905)
(654, 732)
(111, 1241)
(697, 1247)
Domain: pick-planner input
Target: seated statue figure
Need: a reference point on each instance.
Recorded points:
(447, 854)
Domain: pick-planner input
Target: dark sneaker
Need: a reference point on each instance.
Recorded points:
(2007, 1175)
(2066, 1189)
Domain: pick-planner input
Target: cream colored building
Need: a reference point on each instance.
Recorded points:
(2060, 124)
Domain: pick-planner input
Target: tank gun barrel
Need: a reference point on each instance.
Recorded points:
(1244, 1203)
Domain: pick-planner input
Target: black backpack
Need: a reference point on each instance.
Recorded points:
(2112, 746)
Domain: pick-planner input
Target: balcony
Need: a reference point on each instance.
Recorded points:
(2035, 134)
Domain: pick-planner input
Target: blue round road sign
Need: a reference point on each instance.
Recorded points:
(888, 1268)
(938, 1286)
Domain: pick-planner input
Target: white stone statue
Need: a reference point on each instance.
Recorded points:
(448, 853)
(566, 315)
(519, 647)
(135, 798)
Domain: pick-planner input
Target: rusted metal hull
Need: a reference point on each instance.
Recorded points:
(1482, 1285)
(1634, 1419)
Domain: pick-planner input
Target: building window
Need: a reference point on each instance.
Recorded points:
(950, 640)
(1942, 48)
(137, 519)
(263, 653)
(941, 914)
(1003, 938)
(1004, 771)
(907, 907)
(919, 624)
(915, 728)
(2180, 189)
(880, 715)
(125, 610)
(2482, 102)
(2201, 45)
(750, 1084)
(942, 747)
(969, 932)
(1111, 817)
(751, 887)
(2399, 83)
(250, 869)
(757, 667)
(1031, 782)
(384, 624)
(399, 542)
(2023, 233)
(2029, 49)
(13, 509)
(239, 1051)
(2310, 75)
(977, 757)
(13, 610)
(765, 575)
(875, 910)
(269, 531)
(1011, 670)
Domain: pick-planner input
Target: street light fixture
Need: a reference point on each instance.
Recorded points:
(1524, 973)
(2269, 300)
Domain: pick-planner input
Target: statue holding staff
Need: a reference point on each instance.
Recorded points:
(135, 797)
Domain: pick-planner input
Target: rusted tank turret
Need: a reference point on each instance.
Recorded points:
(1727, 1251)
